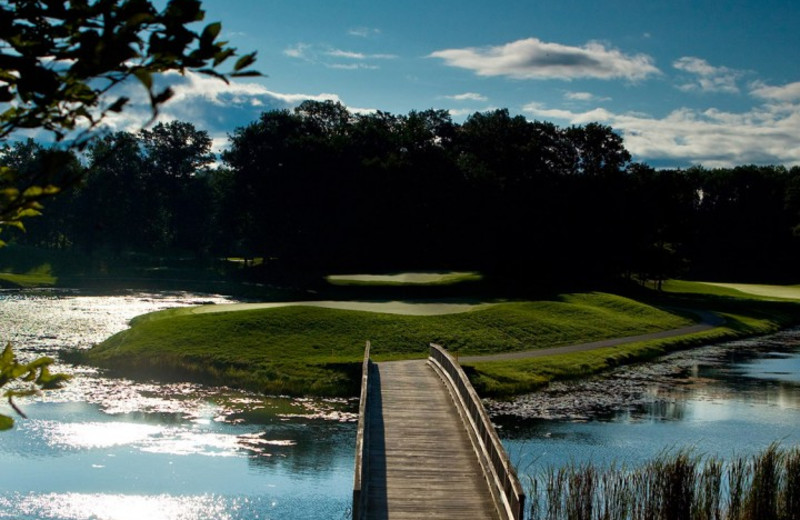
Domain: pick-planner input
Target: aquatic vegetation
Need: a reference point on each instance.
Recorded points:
(674, 486)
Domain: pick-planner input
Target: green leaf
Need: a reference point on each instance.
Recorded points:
(222, 56)
(145, 77)
(162, 96)
(211, 32)
(15, 223)
(6, 422)
(247, 74)
(7, 357)
(118, 105)
(245, 61)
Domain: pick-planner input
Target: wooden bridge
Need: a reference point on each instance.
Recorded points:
(426, 448)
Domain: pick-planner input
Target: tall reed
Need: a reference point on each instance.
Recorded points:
(674, 486)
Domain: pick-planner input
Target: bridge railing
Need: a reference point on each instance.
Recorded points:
(361, 481)
(506, 489)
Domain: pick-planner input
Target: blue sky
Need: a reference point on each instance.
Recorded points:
(684, 82)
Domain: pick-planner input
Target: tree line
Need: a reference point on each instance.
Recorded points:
(319, 189)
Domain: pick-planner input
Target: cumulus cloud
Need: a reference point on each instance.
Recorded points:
(765, 134)
(790, 92)
(534, 59)
(210, 104)
(468, 96)
(707, 78)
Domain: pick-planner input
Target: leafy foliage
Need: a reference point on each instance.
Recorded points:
(60, 62)
(34, 376)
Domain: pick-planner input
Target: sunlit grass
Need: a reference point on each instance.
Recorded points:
(40, 276)
(317, 350)
(733, 290)
(402, 279)
(505, 378)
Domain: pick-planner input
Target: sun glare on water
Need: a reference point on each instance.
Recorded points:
(69, 506)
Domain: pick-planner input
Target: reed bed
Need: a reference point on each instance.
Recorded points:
(675, 486)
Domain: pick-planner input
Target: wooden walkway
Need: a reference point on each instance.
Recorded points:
(421, 461)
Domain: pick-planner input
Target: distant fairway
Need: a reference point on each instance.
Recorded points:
(787, 292)
(734, 290)
(412, 278)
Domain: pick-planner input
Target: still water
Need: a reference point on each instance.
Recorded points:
(111, 449)
(725, 400)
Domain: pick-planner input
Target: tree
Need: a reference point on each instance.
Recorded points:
(61, 60)
(175, 157)
(112, 195)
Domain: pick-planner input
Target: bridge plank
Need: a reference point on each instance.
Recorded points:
(422, 464)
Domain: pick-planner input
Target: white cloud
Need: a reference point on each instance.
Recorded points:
(210, 104)
(790, 92)
(338, 53)
(363, 32)
(299, 51)
(458, 113)
(534, 59)
(331, 58)
(351, 66)
(708, 78)
(583, 97)
(765, 134)
(468, 96)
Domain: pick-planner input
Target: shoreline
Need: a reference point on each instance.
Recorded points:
(634, 388)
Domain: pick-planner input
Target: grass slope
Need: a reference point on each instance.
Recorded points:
(41, 277)
(748, 310)
(313, 350)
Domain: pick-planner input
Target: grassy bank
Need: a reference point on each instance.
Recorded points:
(316, 347)
(745, 312)
(679, 486)
(506, 378)
(301, 349)
(40, 276)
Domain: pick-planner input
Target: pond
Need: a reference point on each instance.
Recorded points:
(725, 400)
(113, 449)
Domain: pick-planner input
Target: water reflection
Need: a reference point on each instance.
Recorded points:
(724, 400)
(117, 449)
(76, 506)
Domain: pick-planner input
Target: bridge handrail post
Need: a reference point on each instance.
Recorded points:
(507, 480)
(361, 481)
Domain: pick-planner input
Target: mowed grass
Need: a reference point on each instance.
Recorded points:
(748, 310)
(41, 276)
(734, 290)
(405, 279)
(507, 378)
(316, 350)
